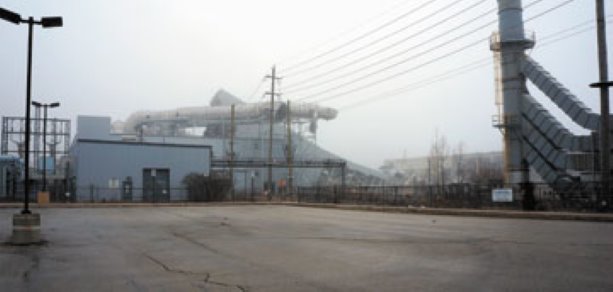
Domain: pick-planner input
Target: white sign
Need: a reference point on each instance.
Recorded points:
(502, 195)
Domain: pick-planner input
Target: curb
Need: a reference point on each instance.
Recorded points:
(566, 216)
(511, 214)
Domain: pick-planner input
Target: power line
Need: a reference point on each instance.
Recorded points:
(478, 42)
(412, 57)
(302, 88)
(392, 7)
(258, 87)
(548, 10)
(574, 27)
(418, 66)
(421, 44)
(555, 40)
(362, 36)
(367, 45)
(464, 69)
(423, 83)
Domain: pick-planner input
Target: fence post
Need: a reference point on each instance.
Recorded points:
(335, 191)
(395, 195)
(430, 195)
(91, 193)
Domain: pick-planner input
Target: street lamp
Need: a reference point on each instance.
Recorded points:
(45, 22)
(45, 106)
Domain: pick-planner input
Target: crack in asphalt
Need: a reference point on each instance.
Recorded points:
(207, 276)
(173, 270)
(198, 243)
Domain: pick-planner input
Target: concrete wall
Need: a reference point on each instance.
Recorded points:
(101, 166)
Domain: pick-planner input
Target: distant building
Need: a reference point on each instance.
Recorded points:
(481, 167)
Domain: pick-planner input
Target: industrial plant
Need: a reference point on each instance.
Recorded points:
(148, 156)
(255, 150)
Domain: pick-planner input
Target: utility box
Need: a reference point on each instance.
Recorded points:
(126, 189)
(43, 197)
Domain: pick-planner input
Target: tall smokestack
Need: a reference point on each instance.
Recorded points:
(509, 44)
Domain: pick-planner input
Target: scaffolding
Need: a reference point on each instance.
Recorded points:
(58, 141)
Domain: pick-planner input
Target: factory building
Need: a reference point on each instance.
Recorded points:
(109, 168)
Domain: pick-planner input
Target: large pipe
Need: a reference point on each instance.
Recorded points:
(206, 115)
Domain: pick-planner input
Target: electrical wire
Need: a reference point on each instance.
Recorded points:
(317, 66)
(258, 87)
(421, 65)
(413, 57)
(392, 7)
(423, 83)
(421, 44)
(360, 37)
(393, 33)
(553, 38)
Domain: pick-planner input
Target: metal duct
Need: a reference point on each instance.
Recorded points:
(562, 97)
(206, 115)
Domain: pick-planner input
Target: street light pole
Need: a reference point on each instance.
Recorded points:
(45, 149)
(26, 226)
(45, 22)
(26, 188)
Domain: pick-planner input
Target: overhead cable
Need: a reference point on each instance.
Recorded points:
(421, 65)
(360, 37)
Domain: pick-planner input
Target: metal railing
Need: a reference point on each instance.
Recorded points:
(544, 197)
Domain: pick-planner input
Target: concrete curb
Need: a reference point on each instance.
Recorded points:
(592, 217)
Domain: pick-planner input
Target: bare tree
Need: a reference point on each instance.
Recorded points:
(485, 171)
(439, 154)
(459, 163)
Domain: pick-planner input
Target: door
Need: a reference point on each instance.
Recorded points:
(156, 185)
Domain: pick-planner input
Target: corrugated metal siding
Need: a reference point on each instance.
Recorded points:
(100, 162)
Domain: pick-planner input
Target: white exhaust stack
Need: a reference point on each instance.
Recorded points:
(509, 46)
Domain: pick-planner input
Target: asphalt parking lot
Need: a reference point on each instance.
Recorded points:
(285, 248)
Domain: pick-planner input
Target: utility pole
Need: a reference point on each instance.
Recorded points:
(603, 84)
(273, 79)
(290, 152)
(430, 180)
(232, 133)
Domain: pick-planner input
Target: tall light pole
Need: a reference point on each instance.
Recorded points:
(45, 106)
(45, 22)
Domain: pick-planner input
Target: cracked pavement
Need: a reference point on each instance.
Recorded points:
(283, 248)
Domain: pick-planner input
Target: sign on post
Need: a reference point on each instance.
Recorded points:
(502, 195)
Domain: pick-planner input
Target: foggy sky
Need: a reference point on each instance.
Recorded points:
(115, 57)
